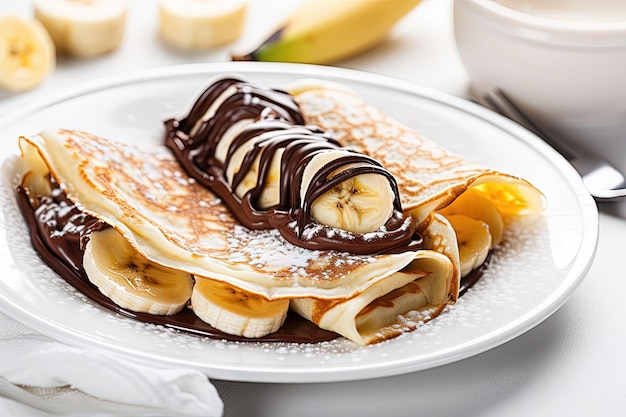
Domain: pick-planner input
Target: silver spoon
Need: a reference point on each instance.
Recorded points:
(602, 179)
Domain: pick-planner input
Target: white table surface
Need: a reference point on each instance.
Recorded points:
(572, 364)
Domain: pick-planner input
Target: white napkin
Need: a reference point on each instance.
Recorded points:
(42, 377)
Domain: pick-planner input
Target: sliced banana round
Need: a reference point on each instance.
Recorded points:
(201, 24)
(474, 204)
(132, 281)
(474, 240)
(83, 28)
(235, 311)
(270, 194)
(27, 53)
(360, 204)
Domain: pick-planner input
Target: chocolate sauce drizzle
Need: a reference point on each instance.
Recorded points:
(278, 125)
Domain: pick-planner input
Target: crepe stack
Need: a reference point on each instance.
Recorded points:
(244, 280)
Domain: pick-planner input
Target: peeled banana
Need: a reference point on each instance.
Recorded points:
(83, 28)
(326, 31)
(132, 281)
(235, 311)
(27, 53)
(201, 24)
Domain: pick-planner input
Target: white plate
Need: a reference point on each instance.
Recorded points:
(532, 276)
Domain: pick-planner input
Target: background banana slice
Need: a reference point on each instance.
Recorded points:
(474, 241)
(83, 28)
(235, 311)
(27, 53)
(201, 24)
(132, 281)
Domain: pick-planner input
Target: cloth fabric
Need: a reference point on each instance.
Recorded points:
(43, 377)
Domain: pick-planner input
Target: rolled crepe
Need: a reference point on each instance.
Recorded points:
(248, 144)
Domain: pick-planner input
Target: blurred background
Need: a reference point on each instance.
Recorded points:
(415, 40)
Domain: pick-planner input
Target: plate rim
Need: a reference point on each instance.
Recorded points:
(334, 373)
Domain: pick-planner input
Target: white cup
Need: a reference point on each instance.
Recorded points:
(562, 61)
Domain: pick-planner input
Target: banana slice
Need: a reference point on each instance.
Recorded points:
(27, 53)
(235, 311)
(83, 28)
(270, 196)
(360, 204)
(474, 240)
(474, 204)
(201, 24)
(132, 281)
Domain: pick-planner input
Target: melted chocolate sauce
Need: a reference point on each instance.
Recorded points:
(277, 126)
(59, 232)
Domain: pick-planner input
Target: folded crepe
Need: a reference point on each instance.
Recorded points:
(153, 216)
(429, 176)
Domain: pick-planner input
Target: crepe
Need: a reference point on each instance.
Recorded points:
(174, 221)
(429, 176)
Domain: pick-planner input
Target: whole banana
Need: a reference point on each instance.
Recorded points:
(326, 31)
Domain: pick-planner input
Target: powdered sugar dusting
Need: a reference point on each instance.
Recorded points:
(266, 248)
(268, 251)
(521, 274)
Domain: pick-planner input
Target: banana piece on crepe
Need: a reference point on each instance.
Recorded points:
(130, 280)
(237, 311)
